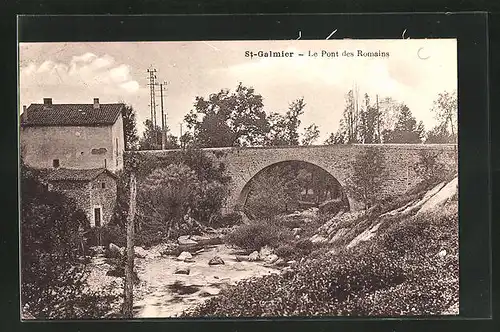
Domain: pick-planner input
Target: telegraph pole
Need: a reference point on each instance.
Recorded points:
(163, 118)
(152, 83)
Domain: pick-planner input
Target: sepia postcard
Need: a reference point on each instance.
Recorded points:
(229, 179)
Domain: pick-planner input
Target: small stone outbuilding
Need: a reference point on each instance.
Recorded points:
(94, 191)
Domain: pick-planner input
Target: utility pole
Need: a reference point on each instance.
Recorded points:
(152, 83)
(163, 118)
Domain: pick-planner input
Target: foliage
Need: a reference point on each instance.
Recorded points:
(167, 193)
(285, 251)
(428, 167)
(228, 119)
(397, 273)
(131, 138)
(335, 138)
(285, 186)
(440, 135)
(176, 194)
(311, 135)
(446, 111)
(406, 129)
(359, 123)
(367, 180)
(258, 234)
(152, 138)
(104, 235)
(228, 220)
(369, 123)
(53, 272)
(284, 128)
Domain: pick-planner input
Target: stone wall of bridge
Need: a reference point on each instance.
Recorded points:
(243, 164)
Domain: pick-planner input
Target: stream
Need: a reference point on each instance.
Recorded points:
(161, 293)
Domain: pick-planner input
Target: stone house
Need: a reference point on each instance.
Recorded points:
(74, 136)
(94, 191)
(80, 148)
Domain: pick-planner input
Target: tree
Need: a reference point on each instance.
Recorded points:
(368, 125)
(440, 135)
(180, 195)
(167, 193)
(311, 134)
(349, 128)
(228, 119)
(283, 129)
(335, 138)
(130, 128)
(171, 142)
(445, 109)
(151, 137)
(278, 133)
(295, 110)
(367, 180)
(53, 273)
(388, 115)
(429, 168)
(406, 129)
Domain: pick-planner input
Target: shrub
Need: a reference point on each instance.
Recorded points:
(304, 247)
(257, 235)
(151, 233)
(228, 220)
(104, 235)
(429, 168)
(285, 251)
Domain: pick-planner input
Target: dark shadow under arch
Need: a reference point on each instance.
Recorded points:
(244, 193)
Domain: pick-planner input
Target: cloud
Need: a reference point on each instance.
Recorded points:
(85, 72)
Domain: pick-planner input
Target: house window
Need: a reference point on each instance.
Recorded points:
(97, 216)
(103, 185)
(55, 163)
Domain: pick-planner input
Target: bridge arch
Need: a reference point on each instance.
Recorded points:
(335, 188)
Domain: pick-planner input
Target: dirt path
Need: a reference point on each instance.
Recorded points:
(161, 293)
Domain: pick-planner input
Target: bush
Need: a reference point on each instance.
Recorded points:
(285, 251)
(257, 235)
(304, 247)
(228, 220)
(151, 233)
(104, 235)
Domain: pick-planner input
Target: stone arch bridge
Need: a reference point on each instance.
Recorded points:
(242, 164)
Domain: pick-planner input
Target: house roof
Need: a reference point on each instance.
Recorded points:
(71, 115)
(86, 175)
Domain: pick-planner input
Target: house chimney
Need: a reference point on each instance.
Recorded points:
(96, 103)
(47, 101)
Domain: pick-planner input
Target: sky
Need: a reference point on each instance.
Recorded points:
(414, 73)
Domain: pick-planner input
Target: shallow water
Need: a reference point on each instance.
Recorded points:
(161, 293)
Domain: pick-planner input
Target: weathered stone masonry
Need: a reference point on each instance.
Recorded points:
(243, 164)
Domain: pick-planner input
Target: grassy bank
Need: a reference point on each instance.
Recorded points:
(409, 268)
